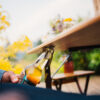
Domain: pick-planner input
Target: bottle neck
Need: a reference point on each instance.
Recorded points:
(43, 61)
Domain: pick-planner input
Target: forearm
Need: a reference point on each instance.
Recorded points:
(8, 76)
(1, 74)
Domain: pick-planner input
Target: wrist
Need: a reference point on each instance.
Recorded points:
(5, 77)
(1, 74)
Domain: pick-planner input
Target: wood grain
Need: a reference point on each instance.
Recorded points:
(68, 75)
(84, 34)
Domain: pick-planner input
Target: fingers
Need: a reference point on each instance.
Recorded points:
(13, 77)
(10, 77)
(18, 76)
(21, 77)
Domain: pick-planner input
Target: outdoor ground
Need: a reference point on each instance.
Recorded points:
(94, 86)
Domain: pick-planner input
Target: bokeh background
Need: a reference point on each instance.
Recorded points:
(25, 24)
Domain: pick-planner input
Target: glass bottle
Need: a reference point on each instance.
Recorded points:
(33, 72)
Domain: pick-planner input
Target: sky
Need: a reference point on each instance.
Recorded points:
(32, 17)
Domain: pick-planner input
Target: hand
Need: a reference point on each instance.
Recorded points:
(10, 77)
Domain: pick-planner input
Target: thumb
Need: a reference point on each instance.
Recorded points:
(13, 78)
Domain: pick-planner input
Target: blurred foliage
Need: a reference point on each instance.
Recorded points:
(87, 60)
(4, 20)
(57, 61)
(94, 60)
(38, 42)
(80, 19)
(9, 52)
(83, 60)
(31, 57)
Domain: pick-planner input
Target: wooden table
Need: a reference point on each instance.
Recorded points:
(62, 78)
(83, 35)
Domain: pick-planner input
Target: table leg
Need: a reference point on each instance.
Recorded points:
(48, 79)
(59, 85)
(86, 84)
(48, 76)
(79, 88)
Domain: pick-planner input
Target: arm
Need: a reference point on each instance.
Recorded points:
(1, 74)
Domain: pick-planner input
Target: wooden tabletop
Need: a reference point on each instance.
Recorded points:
(84, 34)
(68, 75)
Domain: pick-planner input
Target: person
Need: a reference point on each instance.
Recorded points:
(8, 76)
(25, 92)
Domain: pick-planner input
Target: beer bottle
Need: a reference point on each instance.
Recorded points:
(33, 72)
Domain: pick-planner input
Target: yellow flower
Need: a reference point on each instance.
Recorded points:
(0, 6)
(7, 23)
(67, 20)
(11, 51)
(18, 69)
(5, 65)
(58, 21)
(3, 18)
(0, 13)
(27, 42)
(2, 27)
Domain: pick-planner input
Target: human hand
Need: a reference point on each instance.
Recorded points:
(9, 76)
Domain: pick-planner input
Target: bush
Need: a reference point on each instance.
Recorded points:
(83, 60)
(87, 60)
